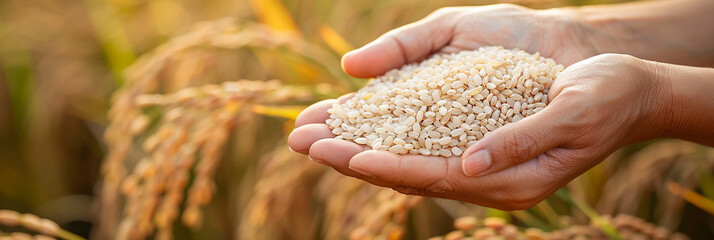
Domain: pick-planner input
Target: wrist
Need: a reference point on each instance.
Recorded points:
(596, 33)
(654, 30)
(687, 102)
(644, 106)
(661, 114)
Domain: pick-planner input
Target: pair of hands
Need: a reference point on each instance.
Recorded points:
(598, 104)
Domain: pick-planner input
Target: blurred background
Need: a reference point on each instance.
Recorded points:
(61, 61)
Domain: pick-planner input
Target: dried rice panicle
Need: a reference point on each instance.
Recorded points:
(628, 227)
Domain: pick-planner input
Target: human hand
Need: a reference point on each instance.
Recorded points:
(591, 113)
(557, 33)
(541, 162)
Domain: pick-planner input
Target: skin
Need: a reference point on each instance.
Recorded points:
(598, 104)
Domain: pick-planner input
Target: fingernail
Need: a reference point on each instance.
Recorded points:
(291, 149)
(476, 163)
(316, 160)
(361, 171)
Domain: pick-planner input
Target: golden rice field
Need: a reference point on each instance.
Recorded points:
(131, 119)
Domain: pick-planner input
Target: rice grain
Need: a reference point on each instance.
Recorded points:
(446, 103)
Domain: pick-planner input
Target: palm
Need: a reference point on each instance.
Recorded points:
(423, 175)
(450, 30)
(517, 27)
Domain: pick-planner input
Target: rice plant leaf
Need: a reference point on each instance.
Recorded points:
(590, 212)
(692, 197)
(64, 234)
(334, 40)
(113, 38)
(274, 14)
(287, 112)
(529, 219)
(549, 213)
(706, 184)
(706, 178)
(16, 68)
(492, 212)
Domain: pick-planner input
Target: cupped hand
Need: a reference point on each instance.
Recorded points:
(555, 33)
(596, 106)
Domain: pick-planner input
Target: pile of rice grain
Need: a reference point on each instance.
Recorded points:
(444, 104)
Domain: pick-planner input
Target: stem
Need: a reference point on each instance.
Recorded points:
(547, 210)
(64, 234)
(590, 212)
(529, 219)
(692, 197)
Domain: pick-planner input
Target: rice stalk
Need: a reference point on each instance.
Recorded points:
(692, 197)
(287, 112)
(189, 140)
(180, 134)
(357, 210)
(334, 40)
(274, 14)
(631, 187)
(47, 228)
(281, 205)
(470, 227)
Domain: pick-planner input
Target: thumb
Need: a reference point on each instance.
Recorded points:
(400, 46)
(513, 144)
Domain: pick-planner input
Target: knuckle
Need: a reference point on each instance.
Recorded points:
(518, 145)
(441, 186)
(508, 6)
(612, 58)
(522, 204)
(563, 162)
(519, 198)
(444, 11)
(411, 191)
(392, 34)
(605, 57)
(559, 164)
(524, 200)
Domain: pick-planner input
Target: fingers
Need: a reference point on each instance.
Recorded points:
(518, 187)
(514, 143)
(303, 137)
(316, 113)
(310, 125)
(337, 154)
(415, 171)
(515, 188)
(400, 46)
(344, 98)
(523, 186)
